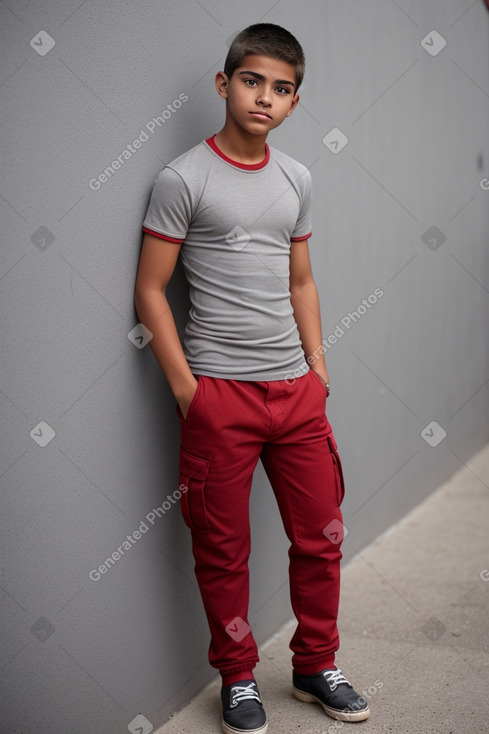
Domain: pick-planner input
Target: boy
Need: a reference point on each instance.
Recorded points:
(238, 211)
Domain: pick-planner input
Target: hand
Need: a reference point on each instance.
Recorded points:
(185, 400)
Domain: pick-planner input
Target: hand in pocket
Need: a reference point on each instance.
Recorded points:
(185, 401)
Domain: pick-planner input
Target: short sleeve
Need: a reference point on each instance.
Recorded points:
(303, 227)
(170, 208)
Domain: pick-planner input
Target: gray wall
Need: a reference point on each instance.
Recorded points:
(90, 656)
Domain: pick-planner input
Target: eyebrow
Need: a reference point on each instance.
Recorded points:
(261, 78)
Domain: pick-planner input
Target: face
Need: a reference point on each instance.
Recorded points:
(260, 93)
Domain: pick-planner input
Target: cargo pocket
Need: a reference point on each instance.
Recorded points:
(193, 475)
(338, 470)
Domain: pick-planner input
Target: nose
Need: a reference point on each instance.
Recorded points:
(264, 98)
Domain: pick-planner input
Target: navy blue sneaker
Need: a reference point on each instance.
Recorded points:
(335, 694)
(242, 709)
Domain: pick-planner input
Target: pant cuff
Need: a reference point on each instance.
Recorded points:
(245, 667)
(315, 667)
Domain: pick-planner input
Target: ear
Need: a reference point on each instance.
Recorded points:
(294, 103)
(222, 83)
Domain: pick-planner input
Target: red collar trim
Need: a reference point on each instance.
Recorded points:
(245, 166)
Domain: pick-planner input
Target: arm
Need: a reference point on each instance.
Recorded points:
(156, 265)
(305, 302)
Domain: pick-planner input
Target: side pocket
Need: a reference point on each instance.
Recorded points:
(192, 402)
(338, 470)
(193, 475)
(321, 383)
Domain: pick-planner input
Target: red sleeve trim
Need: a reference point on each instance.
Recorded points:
(299, 239)
(175, 240)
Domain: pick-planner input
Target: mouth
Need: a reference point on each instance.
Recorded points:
(261, 115)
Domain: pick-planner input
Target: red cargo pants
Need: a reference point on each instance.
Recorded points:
(229, 426)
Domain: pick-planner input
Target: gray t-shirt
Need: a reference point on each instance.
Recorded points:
(235, 223)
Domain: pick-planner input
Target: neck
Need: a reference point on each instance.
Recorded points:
(239, 145)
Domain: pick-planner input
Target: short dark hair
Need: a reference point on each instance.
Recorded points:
(266, 39)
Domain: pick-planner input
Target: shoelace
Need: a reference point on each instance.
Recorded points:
(334, 678)
(241, 693)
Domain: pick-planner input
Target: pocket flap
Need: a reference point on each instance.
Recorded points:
(339, 469)
(332, 443)
(193, 466)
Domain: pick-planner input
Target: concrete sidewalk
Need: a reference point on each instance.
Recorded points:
(414, 627)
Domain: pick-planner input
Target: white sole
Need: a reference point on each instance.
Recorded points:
(230, 730)
(333, 713)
